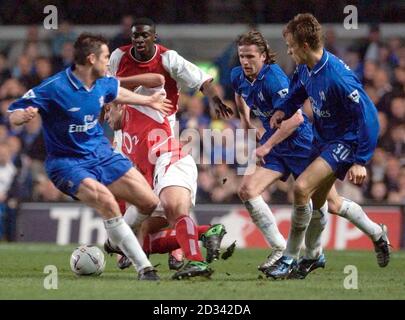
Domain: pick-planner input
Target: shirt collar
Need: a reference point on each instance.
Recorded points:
(75, 81)
(321, 63)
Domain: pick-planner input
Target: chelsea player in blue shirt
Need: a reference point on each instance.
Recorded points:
(260, 85)
(80, 161)
(345, 134)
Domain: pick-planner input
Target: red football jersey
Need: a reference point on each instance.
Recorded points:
(178, 72)
(146, 135)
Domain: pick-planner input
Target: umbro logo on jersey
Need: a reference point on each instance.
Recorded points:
(283, 92)
(74, 109)
(29, 95)
(354, 96)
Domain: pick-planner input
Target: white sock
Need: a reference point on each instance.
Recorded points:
(133, 218)
(264, 220)
(313, 234)
(299, 223)
(121, 235)
(355, 214)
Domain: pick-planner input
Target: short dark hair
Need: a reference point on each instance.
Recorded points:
(305, 28)
(143, 22)
(254, 37)
(87, 44)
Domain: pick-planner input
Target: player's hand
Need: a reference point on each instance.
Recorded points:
(276, 119)
(261, 152)
(221, 109)
(160, 103)
(357, 173)
(29, 114)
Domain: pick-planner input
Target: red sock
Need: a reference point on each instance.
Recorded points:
(160, 242)
(166, 241)
(187, 237)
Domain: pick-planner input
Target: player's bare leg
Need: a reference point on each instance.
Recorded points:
(250, 193)
(98, 196)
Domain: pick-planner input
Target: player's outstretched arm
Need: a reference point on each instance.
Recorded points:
(156, 101)
(287, 127)
(21, 116)
(148, 80)
(221, 109)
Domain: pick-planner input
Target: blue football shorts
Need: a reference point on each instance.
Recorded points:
(339, 154)
(294, 162)
(105, 166)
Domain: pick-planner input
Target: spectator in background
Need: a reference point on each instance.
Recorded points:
(369, 50)
(65, 58)
(397, 148)
(379, 193)
(392, 171)
(64, 34)
(23, 71)
(124, 37)
(19, 47)
(7, 173)
(352, 59)
(331, 45)
(4, 71)
(398, 197)
(11, 88)
(43, 69)
(377, 165)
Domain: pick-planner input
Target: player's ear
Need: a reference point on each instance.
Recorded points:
(155, 38)
(92, 58)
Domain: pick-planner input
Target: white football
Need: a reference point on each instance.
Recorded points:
(87, 260)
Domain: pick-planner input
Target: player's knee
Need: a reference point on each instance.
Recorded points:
(334, 206)
(108, 206)
(174, 210)
(300, 189)
(246, 192)
(147, 207)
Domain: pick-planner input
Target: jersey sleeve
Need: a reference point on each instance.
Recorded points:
(277, 89)
(112, 85)
(114, 61)
(356, 101)
(38, 97)
(295, 97)
(187, 74)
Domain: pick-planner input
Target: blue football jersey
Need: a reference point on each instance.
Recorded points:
(70, 112)
(264, 94)
(342, 110)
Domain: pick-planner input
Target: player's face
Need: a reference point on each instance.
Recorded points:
(100, 63)
(297, 53)
(251, 60)
(143, 39)
(113, 115)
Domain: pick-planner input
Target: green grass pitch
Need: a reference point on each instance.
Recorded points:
(22, 277)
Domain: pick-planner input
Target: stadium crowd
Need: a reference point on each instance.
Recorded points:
(380, 64)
